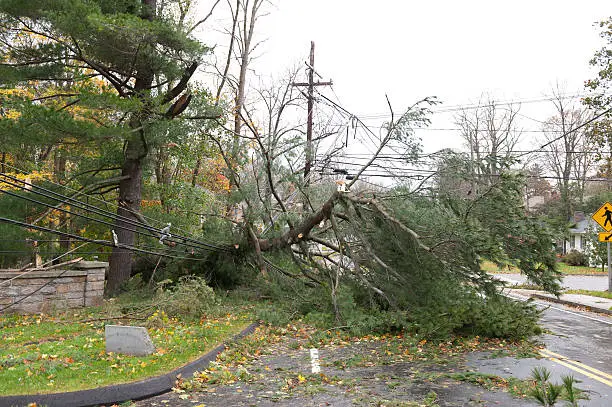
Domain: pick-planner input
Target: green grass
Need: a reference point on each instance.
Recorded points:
(48, 354)
(580, 270)
(564, 268)
(601, 294)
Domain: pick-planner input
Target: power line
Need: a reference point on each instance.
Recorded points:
(453, 108)
(146, 233)
(591, 120)
(66, 210)
(94, 241)
(433, 155)
(369, 132)
(93, 198)
(63, 198)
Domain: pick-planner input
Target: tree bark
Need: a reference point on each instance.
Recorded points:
(301, 231)
(59, 169)
(130, 188)
(130, 193)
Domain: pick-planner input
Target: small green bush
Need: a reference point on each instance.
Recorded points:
(501, 317)
(190, 297)
(576, 258)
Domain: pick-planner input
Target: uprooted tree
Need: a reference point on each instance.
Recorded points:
(414, 250)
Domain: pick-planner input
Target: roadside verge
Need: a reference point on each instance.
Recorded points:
(114, 394)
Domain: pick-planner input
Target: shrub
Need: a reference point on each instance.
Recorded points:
(576, 258)
(190, 297)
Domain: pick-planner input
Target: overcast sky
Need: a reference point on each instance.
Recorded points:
(455, 50)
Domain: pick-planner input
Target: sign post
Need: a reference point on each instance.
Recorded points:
(603, 216)
(609, 271)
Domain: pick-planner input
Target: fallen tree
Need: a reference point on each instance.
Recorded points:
(414, 247)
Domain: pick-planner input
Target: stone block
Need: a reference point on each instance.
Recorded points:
(88, 265)
(29, 281)
(95, 285)
(128, 340)
(95, 277)
(9, 291)
(94, 301)
(73, 295)
(48, 290)
(70, 287)
(75, 302)
(29, 299)
(27, 290)
(94, 293)
(27, 308)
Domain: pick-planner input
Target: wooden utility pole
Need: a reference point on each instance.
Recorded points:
(311, 84)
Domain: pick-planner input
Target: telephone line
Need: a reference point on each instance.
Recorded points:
(103, 212)
(147, 233)
(92, 197)
(94, 241)
(453, 108)
(591, 120)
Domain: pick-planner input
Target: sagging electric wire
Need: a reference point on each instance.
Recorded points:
(85, 206)
(115, 216)
(43, 265)
(94, 241)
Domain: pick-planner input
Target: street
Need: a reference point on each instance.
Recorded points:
(576, 343)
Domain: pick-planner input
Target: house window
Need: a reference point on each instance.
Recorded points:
(572, 242)
(582, 242)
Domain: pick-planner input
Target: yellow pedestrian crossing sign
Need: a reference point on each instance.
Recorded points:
(603, 216)
(605, 236)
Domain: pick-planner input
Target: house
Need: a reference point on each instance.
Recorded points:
(578, 235)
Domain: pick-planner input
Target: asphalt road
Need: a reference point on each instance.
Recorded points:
(577, 343)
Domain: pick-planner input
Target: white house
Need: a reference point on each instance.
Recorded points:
(578, 235)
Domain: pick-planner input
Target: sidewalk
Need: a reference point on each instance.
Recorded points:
(594, 304)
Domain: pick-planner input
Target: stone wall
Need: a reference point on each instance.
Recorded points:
(42, 291)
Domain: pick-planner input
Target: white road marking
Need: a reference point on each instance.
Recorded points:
(314, 360)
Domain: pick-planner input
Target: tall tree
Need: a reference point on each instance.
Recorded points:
(491, 133)
(600, 98)
(568, 151)
(134, 46)
(601, 86)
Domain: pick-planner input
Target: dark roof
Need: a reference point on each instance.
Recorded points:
(583, 225)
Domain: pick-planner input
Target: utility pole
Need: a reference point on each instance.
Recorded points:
(311, 84)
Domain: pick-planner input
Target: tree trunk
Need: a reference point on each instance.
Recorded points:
(130, 188)
(59, 169)
(129, 196)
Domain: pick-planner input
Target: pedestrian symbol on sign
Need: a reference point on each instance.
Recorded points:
(603, 216)
(608, 216)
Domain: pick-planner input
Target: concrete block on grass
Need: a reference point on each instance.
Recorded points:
(128, 340)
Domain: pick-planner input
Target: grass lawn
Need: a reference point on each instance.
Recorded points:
(601, 294)
(566, 269)
(64, 352)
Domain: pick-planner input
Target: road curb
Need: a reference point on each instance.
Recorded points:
(115, 394)
(572, 303)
